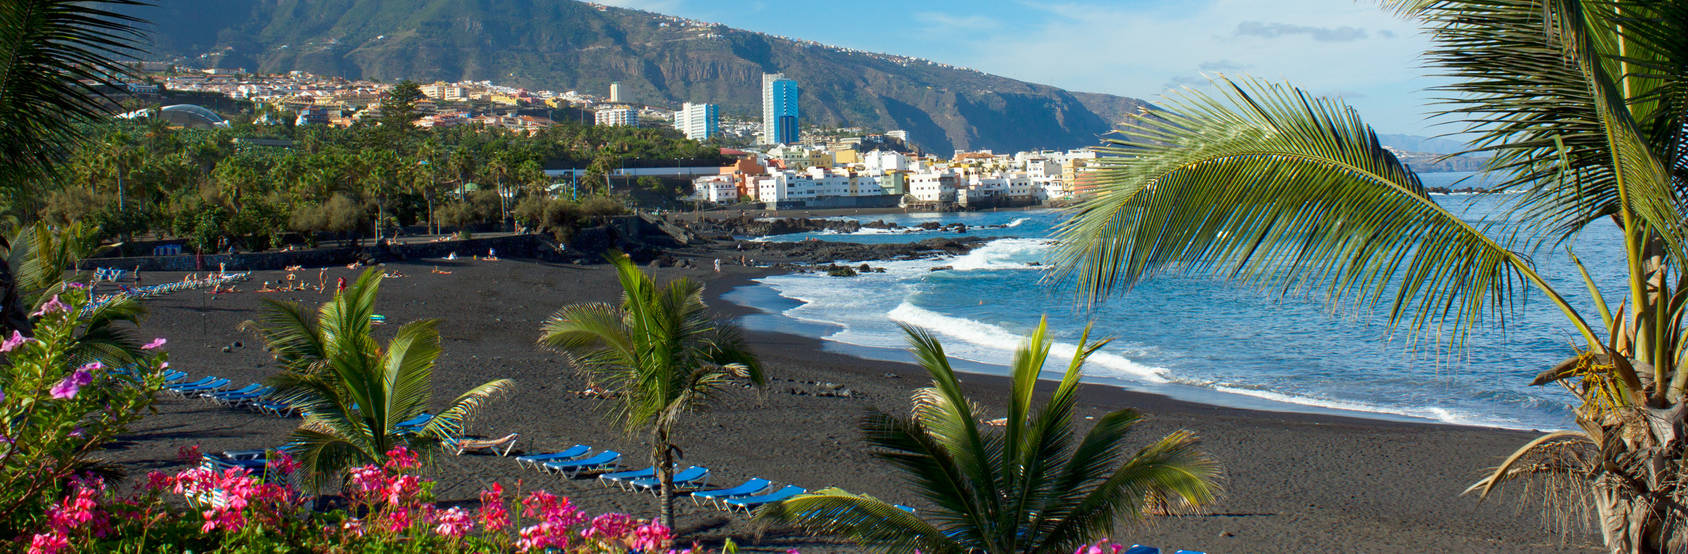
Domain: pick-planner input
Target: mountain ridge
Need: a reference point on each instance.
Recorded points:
(658, 59)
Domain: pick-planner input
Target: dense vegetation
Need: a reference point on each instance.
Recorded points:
(215, 184)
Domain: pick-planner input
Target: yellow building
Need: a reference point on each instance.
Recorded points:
(846, 156)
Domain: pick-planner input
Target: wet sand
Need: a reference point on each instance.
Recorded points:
(1295, 482)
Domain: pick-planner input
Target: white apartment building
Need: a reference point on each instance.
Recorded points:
(616, 116)
(719, 189)
(698, 121)
(932, 186)
(883, 160)
(784, 186)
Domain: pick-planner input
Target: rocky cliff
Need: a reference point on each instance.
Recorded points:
(661, 60)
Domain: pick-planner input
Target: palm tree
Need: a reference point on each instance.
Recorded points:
(661, 353)
(1025, 488)
(1581, 104)
(353, 391)
(55, 57)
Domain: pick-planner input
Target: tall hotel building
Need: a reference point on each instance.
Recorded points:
(779, 109)
(698, 121)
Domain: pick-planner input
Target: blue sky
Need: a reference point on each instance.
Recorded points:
(1141, 48)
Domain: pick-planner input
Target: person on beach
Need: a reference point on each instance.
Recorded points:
(717, 265)
(321, 276)
(339, 285)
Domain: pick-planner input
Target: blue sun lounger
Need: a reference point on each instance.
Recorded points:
(691, 478)
(414, 423)
(243, 398)
(532, 461)
(235, 393)
(622, 478)
(202, 385)
(749, 503)
(600, 462)
(750, 487)
(278, 408)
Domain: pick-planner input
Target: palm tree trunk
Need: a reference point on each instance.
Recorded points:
(665, 475)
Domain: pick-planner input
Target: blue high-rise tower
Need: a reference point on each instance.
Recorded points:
(779, 109)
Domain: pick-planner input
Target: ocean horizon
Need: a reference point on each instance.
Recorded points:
(1194, 337)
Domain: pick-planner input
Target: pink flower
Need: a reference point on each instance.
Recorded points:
(12, 343)
(46, 543)
(157, 481)
(282, 462)
(73, 383)
(452, 523)
(650, 537)
(402, 489)
(609, 526)
(157, 342)
(401, 458)
(492, 514)
(76, 285)
(398, 520)
(51, 306)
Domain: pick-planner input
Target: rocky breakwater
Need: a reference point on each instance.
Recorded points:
(824, 252)
(748, 226)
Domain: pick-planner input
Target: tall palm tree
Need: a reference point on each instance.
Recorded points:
(352, 390)
(1027, 487)
(661, 353)
(1581, 103)
(55, 58)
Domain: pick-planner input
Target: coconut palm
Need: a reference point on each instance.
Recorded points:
(352, 390)
(660, 353)
(1026, 487)
(1582, 106)
(55, 58)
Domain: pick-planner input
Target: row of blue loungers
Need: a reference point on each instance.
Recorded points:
(254, 396)
(579, 460)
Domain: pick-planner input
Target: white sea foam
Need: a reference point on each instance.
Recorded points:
(1432, 413)
(991, 344)
(1002, 254)
(1015, 223)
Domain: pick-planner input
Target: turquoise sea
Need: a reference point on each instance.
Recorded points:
(1194, 337)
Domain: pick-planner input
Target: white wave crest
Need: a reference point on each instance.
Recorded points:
(986, 343)
(1432, 413)
(1002, 254)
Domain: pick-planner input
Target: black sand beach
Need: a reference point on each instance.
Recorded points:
(1296, 483)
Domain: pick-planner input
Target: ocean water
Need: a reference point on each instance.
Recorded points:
(1197, 338)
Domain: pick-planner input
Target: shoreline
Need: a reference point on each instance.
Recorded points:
(1295, 482)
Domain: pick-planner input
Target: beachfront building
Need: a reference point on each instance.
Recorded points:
(885, 160)
(718, 189)
(616, 116)
(816, 183)
(798, 157)
(615, 92)
(779, 109)
(933, 187)
(698, 121)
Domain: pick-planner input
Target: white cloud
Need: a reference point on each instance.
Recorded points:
(956, 22)
(1145, 50)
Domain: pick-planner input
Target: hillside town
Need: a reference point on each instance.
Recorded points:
(779, 164)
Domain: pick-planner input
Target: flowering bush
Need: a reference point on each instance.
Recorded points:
(61, 399)
(390, 510)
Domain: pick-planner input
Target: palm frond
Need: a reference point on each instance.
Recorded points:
(456, 417)
(408, 370)
(1171, 469)
(56, 56)
(876, 524)
(1564, 113)
(290, 332)
(1269, 186)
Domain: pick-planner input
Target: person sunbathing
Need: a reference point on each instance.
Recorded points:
(266, 287)
(439, 271)
(392, 274)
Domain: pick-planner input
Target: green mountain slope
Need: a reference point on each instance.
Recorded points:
(662, 60)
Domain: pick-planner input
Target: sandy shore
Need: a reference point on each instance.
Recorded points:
(1296, 483)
